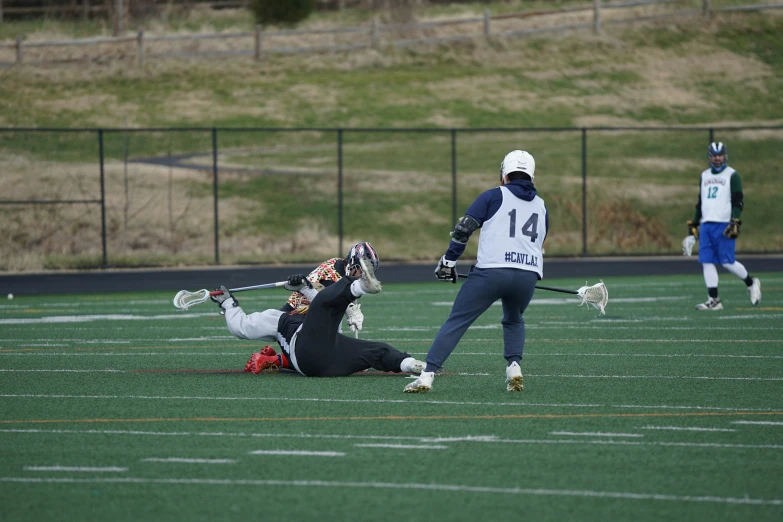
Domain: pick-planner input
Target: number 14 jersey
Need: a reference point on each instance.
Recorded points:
(514, 236)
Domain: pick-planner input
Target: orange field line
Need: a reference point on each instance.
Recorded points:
(399, 417)
(182, 346)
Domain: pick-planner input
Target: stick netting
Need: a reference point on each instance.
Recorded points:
(184, 299)
(596, 295)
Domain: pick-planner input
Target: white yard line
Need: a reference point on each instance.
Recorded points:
(536, 375)
(619, 495)
(107, 317)
(190, 461)
(573, 325)
(520, 404)
(680, 428)
(489, 439)
(123, 341)
(542, 375)
(402, 446)
(302, 453)
(764, 423)
(76, 468)
(66, 371)
(575, 300)
(594, 434)
(667, 377)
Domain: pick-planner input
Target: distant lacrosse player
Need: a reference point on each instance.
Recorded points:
(514, 223)
(718, 212)
(311, 343)
(326, 274)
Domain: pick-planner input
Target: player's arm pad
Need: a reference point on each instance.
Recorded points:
(737, 200)
(463, 229)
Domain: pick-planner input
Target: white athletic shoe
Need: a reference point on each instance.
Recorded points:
(755, 291)
(514, 377)
(422, 384)
(369, 282)
(710, 304)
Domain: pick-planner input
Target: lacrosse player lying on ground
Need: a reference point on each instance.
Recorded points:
(311, 343)
(328, 273)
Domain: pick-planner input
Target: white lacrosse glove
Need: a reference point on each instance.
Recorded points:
(355, 316)
(687, 245)
(446, 270)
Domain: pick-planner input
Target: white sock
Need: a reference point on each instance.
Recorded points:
(738, 269)
(710, 275)
(406, 364)
(356, 288)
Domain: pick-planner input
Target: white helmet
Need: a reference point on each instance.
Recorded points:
(517, 161)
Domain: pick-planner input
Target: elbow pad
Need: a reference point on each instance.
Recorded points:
(463, 229)
(736, 200)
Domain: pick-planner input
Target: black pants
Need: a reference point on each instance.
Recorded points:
(323, 352)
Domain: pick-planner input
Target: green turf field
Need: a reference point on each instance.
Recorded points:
(117, 407)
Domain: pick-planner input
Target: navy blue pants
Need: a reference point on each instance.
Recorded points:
(512, 286)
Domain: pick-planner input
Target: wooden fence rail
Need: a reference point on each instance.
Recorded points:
(371, 36)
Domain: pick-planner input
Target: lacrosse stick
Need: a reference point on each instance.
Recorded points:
(184, 299)
(596, 295)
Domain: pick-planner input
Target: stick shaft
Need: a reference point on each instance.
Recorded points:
(254, 287)
(563, 290)
(550, 288)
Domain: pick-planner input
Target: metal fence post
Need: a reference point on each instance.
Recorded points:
(487, 21)
(103, 199)
(19, 48)
(597, 16)
(1, 10)
(215, 192)
(712, 134)
(453, 175)
(340, 192)
(257, 53)
(584, 191)
(140, 46)
(706, 9)
(119, 14)
(374, 33)
(85, 9)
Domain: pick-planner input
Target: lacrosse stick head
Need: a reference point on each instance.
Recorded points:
(687, 245)
(184, 299)
(596, 296)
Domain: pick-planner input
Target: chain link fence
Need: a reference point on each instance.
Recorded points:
(89, 198)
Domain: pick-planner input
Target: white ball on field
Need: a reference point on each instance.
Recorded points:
(10, 296)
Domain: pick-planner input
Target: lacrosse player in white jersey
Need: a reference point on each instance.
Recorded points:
(514, 222)
(718, 213)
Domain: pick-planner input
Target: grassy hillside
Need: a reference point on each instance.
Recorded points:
(641, 188)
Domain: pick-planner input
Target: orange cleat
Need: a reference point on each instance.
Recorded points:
(259, 362)
(268, 350)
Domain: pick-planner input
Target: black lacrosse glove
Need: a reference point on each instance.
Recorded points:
(446, 270)
(732, 231)
(297, 282)
(693, 229)
(222, 297)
